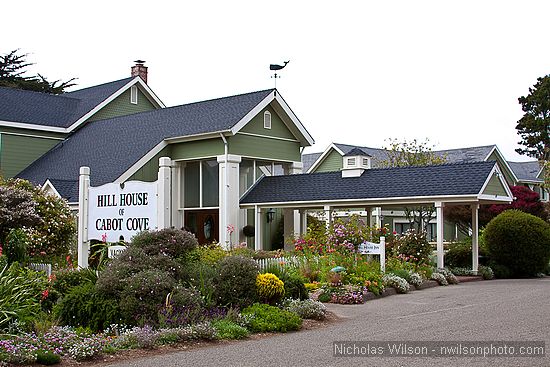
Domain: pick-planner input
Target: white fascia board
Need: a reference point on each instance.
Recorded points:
(136, 80)
(48, 185)
(294, 119)
(160, 146)
(505, 162)
(323, 156)
(185, 138)
(496, 170)
(263, 104)
(454, 199)
(141, 162)
(151, 96)
(23, 125)
(253, 112)
(492, 199)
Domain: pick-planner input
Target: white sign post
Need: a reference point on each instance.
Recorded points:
(117, 210)
(371, 248)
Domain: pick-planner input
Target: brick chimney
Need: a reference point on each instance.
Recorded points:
(140, 70)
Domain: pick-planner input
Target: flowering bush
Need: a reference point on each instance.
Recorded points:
(306, 309)
(269, 287)
(55, 230)
(236, 282)
(413, 247)
(400, 284)
(440, 278)
(449, 276)
(416, 279)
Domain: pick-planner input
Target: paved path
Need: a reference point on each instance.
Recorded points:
(506, 310)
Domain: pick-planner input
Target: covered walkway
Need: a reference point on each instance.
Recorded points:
(368, 189)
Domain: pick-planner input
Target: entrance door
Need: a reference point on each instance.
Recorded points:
(203, 224)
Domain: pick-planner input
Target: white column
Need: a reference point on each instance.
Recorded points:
(475, 238)
(164, 194)
(439, 213)
(328, 216)
(177, 217)
(292, 217)
(83, 204)
(377, 213)
(258, 228)
(229, 198)
(303, 222)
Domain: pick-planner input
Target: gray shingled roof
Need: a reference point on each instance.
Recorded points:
(526, 170)
(401, 182)
(68, 189)
(463, 155)
(110, 147)
(52, 110)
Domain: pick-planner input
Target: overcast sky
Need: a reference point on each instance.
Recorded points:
(360, 71)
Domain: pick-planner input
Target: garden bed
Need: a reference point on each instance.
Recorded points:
(133, 354)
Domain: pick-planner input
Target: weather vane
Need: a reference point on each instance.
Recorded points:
(275, 68)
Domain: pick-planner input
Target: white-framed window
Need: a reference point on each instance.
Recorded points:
(351, 162)
(133, 94)
(267, 120)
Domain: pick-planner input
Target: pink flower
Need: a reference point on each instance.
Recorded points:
(230, 228)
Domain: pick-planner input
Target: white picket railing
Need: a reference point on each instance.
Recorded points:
(279, 262)
(47, 268)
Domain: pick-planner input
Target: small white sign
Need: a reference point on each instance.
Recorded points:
(370, 248)
(116, 211)
(116, 250)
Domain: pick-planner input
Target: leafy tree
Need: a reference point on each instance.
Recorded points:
(525, 200)
(17, 210)
(534, 126)
(12, 70)
(413, 153)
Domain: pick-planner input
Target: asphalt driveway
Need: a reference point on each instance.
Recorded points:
(470, 316)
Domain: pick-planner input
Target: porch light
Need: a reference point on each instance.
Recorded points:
(270, 215)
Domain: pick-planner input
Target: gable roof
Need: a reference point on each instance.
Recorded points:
(469, 154)
(447, 180)
(61, 112)
(526, 171)
(110, 147)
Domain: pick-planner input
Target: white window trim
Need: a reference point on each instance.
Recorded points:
(133, 94)
(267, 120)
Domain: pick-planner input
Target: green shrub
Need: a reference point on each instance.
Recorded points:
(414, 246)
(294, 286)
(47, 357)
(86, 307)
(500, 271)
(66, 279)
(236, 282)
(486, 272)
(143, 295)
(211, 254)
(519, 241)
(3, 261)
(202, 277)
(459, 254)
(169, 242)
(226, 329)
(270, 288)
(266, 318)
(16, 246)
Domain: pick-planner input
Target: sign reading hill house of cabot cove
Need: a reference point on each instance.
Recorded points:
(117, 210)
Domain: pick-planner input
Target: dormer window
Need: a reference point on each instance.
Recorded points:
(267, 120)
(133, 94)
(351, 162)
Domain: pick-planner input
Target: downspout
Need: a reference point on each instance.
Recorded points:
(224, 209)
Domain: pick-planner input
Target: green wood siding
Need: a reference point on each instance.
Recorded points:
(495, 187)
(17, 152)
(197, 149)
(278, 128)
(507, 174)
(265, 148)
(332, 162)
(121, 106)
(149, 171)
